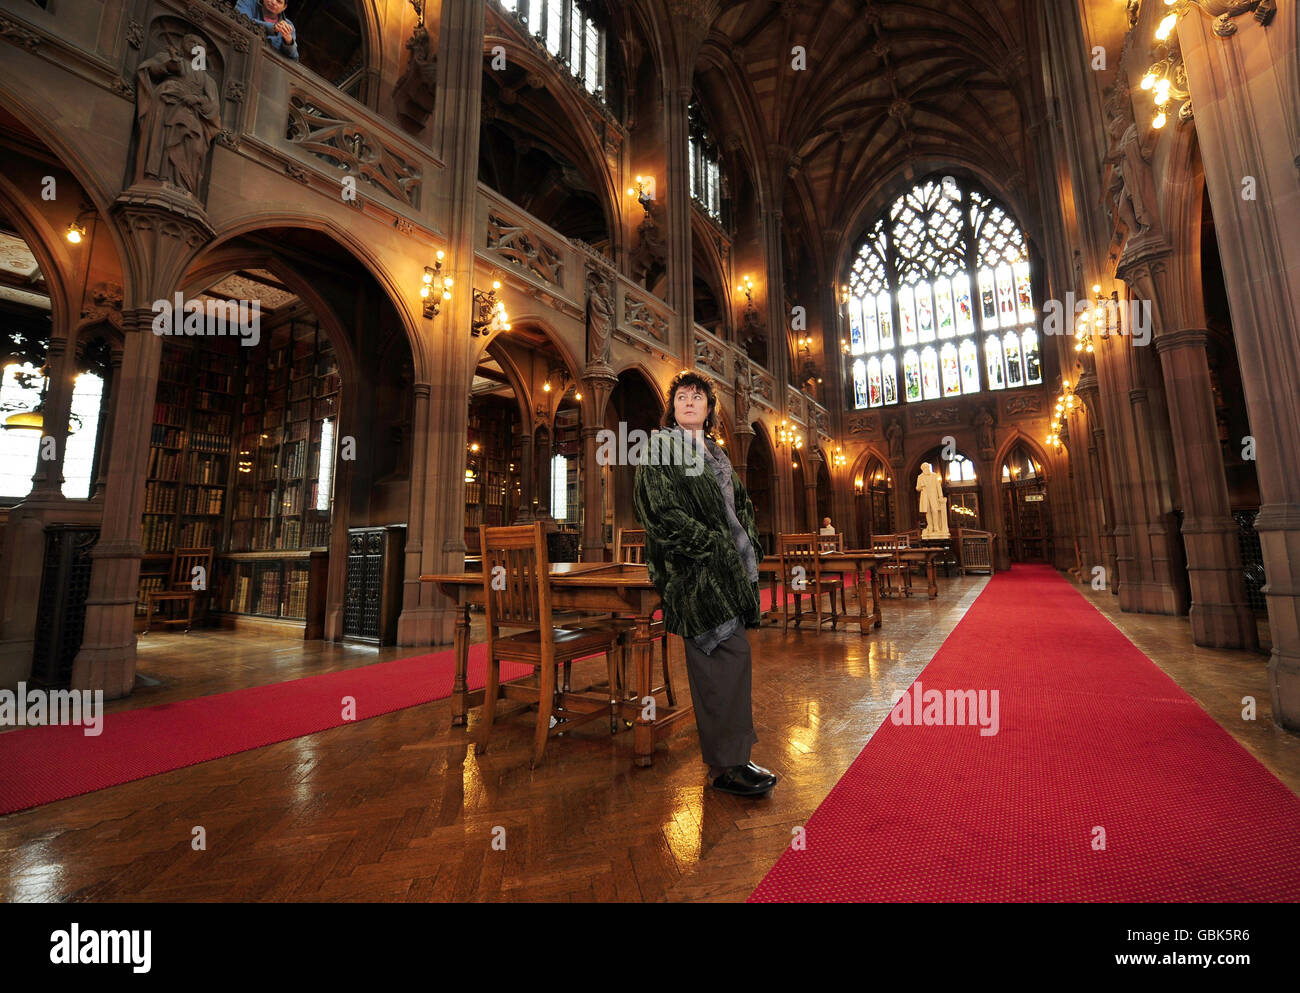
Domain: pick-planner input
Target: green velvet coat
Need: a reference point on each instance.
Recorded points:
(690, 553)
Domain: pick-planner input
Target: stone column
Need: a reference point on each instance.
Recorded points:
(677, 187)
(438, 498)
(107, 415)
(106, 660)
(810, 463)
(1246, 92)
(596, 389)
(1219, 614)
(527, 480)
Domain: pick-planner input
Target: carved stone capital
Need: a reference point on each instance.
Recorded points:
(1172, 341)
(165, 228)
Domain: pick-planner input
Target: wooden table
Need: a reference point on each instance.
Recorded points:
(928, 555)
(862, 560)
(607, 587)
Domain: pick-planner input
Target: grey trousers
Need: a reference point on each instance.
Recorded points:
(720, 692)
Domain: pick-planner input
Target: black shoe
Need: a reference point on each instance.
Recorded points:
(758, 770)
(744, 781)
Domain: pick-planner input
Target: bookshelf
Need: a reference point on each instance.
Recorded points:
(289, 412)
(493, 493)
(189, 456)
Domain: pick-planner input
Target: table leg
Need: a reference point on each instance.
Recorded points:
(862, 606)
(875, 599)
(931, 576)
(643, 737)
(460, 685)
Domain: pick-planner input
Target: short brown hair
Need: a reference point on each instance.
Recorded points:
(688, 377)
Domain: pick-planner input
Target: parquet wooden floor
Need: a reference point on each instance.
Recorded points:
(399, 807)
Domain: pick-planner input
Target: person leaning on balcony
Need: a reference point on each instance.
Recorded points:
(280, 32)
(702, 556)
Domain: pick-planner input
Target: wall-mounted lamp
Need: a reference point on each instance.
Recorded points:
(489, 312)
(435, 289)
(839, 460)
(644, 190)
(787, 435)
(1065, 405)
(747, 287)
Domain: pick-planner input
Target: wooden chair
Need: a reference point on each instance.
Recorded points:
(835, 543)
(801, 551)
(524, 601)
(896, 568)
(180, 587)
(629, 547)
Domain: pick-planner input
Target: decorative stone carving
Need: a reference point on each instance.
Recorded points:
(228, 138)
(638, 315)
(12, 32)
(709, 355)
(168, 227)
(352, 148)
(135, 34)
(295, 171)
(239, 41)
(235, 91)
(525, 249)
(105, 305)
(195, 13)
(413, 94)
(124, 89)
(764, 389)
(861, 425)
(651, 249)
(1019, 406)
(933, 504)
(794, 404)
(600, 318)
(178, 109)
(935, 416)
(821, 419)
(404, 226)
(1223, 11)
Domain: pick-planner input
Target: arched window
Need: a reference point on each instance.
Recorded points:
(706, 173)
(568, 33)
(945, 266)
(22, 388)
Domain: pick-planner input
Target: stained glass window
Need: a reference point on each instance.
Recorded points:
(706, 175)
(942, 269)
(568, 34)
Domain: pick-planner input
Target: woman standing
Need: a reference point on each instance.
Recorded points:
(702, 552)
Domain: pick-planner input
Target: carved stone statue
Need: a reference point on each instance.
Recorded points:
(413, 94)
(984, 432)
(179, 111)
(1131, 185)
(600, 318)
(894, 435)
(744, 390)
(651, 249)
(934, 505)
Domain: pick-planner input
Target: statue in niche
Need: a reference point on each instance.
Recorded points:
(933, 504)
(1134, 12)
(744, 390)
(984, 432)
(600, 317)
(894, 435)
(178, 108)
(1131, 185)
(651, 250)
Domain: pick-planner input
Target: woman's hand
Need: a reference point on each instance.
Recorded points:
(286, 31)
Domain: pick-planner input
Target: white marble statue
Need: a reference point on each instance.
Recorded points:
(934, 505)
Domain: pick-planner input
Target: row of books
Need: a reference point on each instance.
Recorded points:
(164, 464)
(293, 459)
(218, 441)
(291, 503)
(207, 400)
(159, 498)
(316, 534)
(327, 384)
(207, 470)
(202, 500)
(295, 602)
(170, 414)
(156, 533)
(149, 584)
(173, 394)
(197, 534)
(208, 423)
(171, 437)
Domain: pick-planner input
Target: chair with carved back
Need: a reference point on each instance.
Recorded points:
(801, 572)
(835, 543)
(517, 595)
(181, 587)
(895, 574)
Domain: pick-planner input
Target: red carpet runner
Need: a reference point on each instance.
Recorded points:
(1091, 735)
(43, 764)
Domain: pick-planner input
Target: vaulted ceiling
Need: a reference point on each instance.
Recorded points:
(886, 84)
